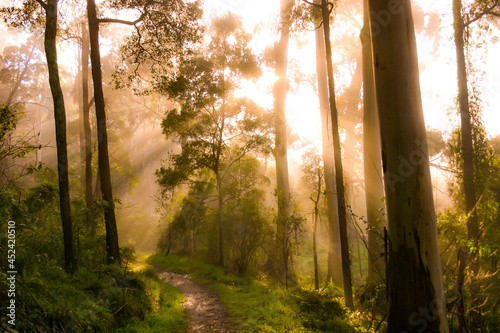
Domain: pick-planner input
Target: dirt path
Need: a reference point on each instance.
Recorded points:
(206, 312)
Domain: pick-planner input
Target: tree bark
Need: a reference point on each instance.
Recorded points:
(86, 116)
(334, 262)
(372, 153)
(112, 246)
(337, 151)
(60, 125)
(281, 141)
(467, 147)
(220, 197)
(315, 228)
(416, 300)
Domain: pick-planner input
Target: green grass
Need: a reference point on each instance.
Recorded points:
(258, 307)
(166, 314)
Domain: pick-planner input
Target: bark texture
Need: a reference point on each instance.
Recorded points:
(416, 300)
(60, 125)
(112, 246)
(372, 154)
(86, 116)
(281, 141)
(334, 262)
(337, 152)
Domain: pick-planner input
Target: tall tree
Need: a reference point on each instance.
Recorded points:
(281, 141)
(374, 185)
(50, 8)
(214, 128)
(313, 180)
(326, 8)
(414, 276)
(334, 261)
(480, 9)
(112, 246)
(86, 104)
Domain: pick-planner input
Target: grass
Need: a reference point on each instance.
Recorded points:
(167, 314)
(259, 307)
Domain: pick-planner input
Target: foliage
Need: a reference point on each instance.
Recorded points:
(162, 38)
(452, 223)
(97, 297)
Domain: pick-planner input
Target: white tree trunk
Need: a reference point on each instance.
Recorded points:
(415, 288)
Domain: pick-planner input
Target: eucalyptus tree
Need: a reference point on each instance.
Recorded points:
(28, 15)
(479, 10)
(281, 141)
(163, 31)
(214, 128)
(313, 179)
(334, 261)
(374, 184)
(414, 275)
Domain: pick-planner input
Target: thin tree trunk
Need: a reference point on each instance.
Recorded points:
(86, 116)
(112, 246)
(334, 262)
(460, 290)
(280, 150)
(416, 300)
(372, 152)
(315, 228)
(348, 122)
(219, 220)
(60, 124)
(337, 151)
(467, 149)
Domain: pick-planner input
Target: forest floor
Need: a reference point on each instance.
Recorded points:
(206, 313)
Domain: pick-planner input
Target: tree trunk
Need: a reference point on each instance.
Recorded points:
(337, 151)
(60, 125)
(86, 116)
(219, 219)
(467, 145)
(348, 122)
(334, 262)
(315, 228)
(280, 150)
(112, 246)
(374, 185)
(416, 300)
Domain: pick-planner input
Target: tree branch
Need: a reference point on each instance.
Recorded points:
(43, 4)
(487, 11)
(111, 20)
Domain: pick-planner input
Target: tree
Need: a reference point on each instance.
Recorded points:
(214, 129)
(313, 179)
(86, 104)
(374, 185)
(414, 276)
(480, 9)
(281, 142)
(326, 8)
(247, 222)
(160, 48)
(28, 16)
(112, 246)
(22, 76)
(334, 261)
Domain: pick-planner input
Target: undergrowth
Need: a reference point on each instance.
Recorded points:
(259, 306)
(97, 297)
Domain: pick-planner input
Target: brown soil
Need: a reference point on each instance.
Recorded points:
(206, 313)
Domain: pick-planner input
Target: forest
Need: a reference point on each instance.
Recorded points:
(250, 166)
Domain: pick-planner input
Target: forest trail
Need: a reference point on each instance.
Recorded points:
(206, 313)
